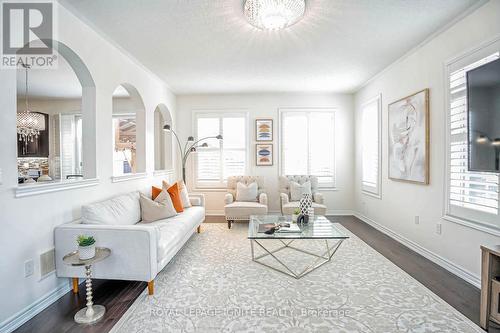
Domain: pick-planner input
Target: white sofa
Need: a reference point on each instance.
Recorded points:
(288, 206)
(139, 251)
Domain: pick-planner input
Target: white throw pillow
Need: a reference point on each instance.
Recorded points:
(186, 203)
(156, 210)
(297, 190)
(246, 192)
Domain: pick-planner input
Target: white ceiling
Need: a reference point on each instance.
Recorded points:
(206, 46)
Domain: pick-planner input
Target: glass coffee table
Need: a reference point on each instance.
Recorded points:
(318, 228)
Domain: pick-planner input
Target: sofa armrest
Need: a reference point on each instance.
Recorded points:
(228, 198)
(133, 251)
(197, 199)
(263, 199)
(318, 198)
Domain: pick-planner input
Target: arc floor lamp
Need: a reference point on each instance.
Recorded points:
(189, 147)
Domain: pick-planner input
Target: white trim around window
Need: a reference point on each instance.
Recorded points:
(371, 146)
(327, 180)
(219, 184)
(464, 213)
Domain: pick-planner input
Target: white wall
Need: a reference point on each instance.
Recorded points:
(28, 223)
(266, 106)
(401, 202)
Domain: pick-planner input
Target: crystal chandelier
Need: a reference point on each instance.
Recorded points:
(274, 14)
(29, 124)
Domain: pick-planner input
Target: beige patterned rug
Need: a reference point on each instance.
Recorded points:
(212, 285)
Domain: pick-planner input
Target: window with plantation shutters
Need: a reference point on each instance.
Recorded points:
(308, 144)
(221, 159)
(371, 146)
(472, 196)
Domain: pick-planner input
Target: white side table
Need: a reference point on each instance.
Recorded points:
(91, 313)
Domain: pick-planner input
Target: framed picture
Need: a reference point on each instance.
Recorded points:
(409, 138)
(264, 154)
(263, 130)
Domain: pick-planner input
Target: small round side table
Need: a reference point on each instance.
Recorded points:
(91, 313)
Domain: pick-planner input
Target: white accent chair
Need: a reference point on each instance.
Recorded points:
(288, 206)
(139, 251)
(241, 210)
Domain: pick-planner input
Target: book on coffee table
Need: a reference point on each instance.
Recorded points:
(265, 227)
(289, 228)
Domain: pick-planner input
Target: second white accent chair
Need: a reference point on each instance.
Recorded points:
(289, 203)
(240, 209)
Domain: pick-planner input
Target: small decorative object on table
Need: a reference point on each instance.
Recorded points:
(91, 313)
(86, 247)
(295, 215)
(305, 203)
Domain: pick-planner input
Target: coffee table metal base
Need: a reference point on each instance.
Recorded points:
(320, 260)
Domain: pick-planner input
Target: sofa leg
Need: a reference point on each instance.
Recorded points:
(151, 287)
(198, 230)
(229, 224)
(75, 285)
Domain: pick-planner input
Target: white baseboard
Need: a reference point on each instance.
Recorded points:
(340, 212)
(443, 262)
(15, 321)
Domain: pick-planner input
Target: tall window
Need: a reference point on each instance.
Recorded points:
(371, 146)
(308, 144)
(222, 158)
(472, 196)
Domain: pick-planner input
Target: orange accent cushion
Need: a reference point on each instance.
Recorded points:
(175, 195)
(155, 191)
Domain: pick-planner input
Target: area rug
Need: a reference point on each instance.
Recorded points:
(212, 285)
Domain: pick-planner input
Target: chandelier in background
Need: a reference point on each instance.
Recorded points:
(274, 14)
(29, 124)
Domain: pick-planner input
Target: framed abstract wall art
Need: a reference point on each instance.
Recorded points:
(263, 130)
(264, 154)
(409, 138)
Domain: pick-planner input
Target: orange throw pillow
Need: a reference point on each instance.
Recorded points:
(175, 195)
(155, 191)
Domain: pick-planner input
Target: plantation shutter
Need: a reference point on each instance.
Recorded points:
(221, 159)
(474, 191)
(308, 144)
(370, 133)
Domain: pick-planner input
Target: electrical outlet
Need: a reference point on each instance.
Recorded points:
(29, 268)
(417, 219)
(438, 228)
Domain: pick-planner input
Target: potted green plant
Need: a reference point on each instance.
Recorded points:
(295, 215)
(86, 247)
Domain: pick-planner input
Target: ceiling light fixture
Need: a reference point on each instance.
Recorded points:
(274, 14)
(29, 123)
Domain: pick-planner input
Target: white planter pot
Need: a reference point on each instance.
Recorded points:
(86, 252)
(294, 218)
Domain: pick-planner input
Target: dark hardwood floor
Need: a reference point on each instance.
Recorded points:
(117, 296)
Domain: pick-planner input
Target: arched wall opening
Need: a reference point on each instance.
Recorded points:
(64, 100)
(162, 139)
(129, 131)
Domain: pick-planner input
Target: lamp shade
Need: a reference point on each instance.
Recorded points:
(190, 138)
